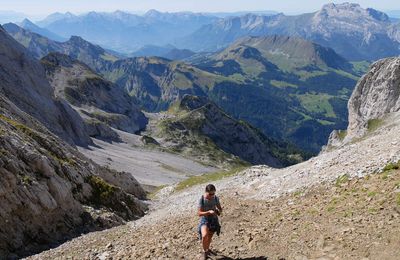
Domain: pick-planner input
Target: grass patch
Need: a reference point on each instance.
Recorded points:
(342, 179)
(398, 199)
(342, 134)
(391, 166)
(102, 191)
(374, 124)
(360, 67)
(348, 214)
(282, 84)
(205, 178)
(318, 103)
(170, 168)
(331, 208)
(152, 195)
(26, 180)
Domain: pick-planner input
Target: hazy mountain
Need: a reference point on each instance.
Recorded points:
(168, 52)
(124, 31)
(76, 47)
(227, 14)
(54, 17)
(353, 32)
(30, 26)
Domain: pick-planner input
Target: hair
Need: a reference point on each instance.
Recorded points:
(210, 188)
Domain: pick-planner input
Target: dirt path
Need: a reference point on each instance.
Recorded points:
(356, 219)
(267, 214)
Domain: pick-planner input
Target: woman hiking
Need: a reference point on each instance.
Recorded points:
(209, 209)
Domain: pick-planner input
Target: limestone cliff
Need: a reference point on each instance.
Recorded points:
(377, 94)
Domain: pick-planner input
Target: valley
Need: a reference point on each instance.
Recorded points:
(112, 122)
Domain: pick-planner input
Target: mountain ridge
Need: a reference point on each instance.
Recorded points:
(361, 31)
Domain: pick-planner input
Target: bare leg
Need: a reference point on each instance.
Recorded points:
(205, 238)
(210, 235)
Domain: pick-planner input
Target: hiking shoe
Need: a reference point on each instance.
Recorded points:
(206, 255)
(211, 252)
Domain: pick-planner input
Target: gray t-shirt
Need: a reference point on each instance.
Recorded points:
(207, 205)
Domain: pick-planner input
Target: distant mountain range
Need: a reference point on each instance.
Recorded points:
(169, 52)
(126, 32)
(30, 26)
(353, 32)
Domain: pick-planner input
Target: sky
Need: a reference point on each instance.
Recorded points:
(44, 7)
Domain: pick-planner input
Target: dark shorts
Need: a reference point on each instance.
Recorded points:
(208, 221)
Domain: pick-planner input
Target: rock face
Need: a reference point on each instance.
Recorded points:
(23, 82)
(97, 99)
(48, 190)
(376, 94)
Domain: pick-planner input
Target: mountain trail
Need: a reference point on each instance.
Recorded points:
(338, 212)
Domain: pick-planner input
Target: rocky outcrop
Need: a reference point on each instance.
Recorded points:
(376, 95)
(94, 97)
(50, 192)
(201, 128)
(23, 82)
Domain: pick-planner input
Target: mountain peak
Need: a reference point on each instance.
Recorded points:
(27, 21)
(345, 5)
(352, 11)
(75, 38)
(152, 12)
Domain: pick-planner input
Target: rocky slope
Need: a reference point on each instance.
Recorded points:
(101, 103)
(197, 127)
(355, 219)
(376, 94)
(352, 31)
(48, 190)
(23, 82)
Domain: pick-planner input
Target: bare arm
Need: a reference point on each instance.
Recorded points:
(202, 213)
(219, 207)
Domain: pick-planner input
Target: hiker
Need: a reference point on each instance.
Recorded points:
(209, 209)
